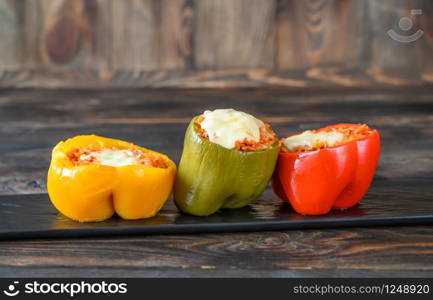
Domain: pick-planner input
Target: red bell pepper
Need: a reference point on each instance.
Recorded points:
(316, 180)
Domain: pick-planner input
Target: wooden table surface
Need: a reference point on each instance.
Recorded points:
(33, 121)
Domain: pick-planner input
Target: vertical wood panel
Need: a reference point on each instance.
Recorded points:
(230, 34)
(105, 42)
(10, 48)
(69, 33)
(135, 39)
(426, 24)
(393, 61)
(106, 34)
(64, 33)
(175, 34)
(150, 34)
(32, 24)
(318, 33)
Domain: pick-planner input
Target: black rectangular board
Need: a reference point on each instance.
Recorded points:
(402, 202)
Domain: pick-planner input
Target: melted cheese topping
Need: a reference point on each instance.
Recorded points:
(309, 139)
(226, 126)
(113, 157)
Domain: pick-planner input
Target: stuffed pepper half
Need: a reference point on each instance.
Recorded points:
(328, 168)
(228, 158)
(92, 177)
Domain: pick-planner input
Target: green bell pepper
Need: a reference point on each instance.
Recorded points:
(211, 177)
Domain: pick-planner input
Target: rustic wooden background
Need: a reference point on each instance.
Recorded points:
(210, 43)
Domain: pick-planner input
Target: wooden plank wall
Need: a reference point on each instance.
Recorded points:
(212, 43)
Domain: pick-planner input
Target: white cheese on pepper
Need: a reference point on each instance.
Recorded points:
(226, 126)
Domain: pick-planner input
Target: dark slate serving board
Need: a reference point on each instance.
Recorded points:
(387, 203)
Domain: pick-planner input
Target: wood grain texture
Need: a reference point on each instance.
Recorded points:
(318, 33)
(205, 43)
(393, 61)
(102, 35)
(400, 251)
(427, 41)
(233, 34)
(67, 25)
(32, 25)
(61, 34)
(134, 28)
(332, 78)
(150, 34)
(9, 36)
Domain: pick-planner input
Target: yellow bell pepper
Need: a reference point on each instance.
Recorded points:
(94, 192)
